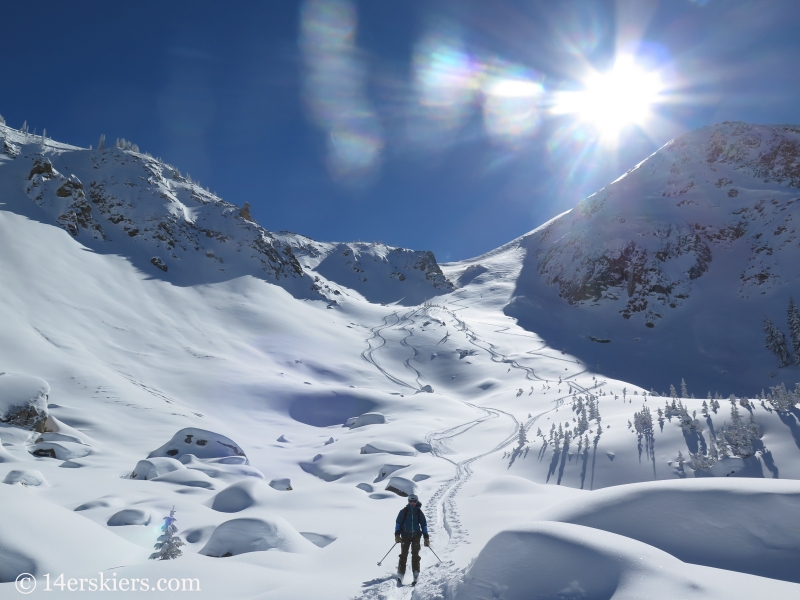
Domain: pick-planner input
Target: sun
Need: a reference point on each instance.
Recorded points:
(613, 100)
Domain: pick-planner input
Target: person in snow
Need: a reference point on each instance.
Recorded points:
(411, 524)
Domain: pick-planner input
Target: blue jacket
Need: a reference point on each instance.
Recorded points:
(411, 520)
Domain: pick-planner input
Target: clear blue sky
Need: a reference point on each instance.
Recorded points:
(334, 137)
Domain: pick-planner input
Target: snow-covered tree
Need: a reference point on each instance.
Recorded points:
(24, 128)
(101, 144)
(794, 328)
(783, 400)
(775, 342)
(169, 544)
(684, 389)
(2, 120)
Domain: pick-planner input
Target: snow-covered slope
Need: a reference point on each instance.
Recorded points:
(669, 271)
(122, 202)
(283, 427)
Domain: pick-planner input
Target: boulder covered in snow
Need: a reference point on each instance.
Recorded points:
(62, 446)
(23, 401)
(370, 418)
(283, 484)
(26, 477)
(378, 447)
(240, 495)
(201, 443)
(387, 470)
(401, 486)
(239, 536)
(129, 516)
(151, 468)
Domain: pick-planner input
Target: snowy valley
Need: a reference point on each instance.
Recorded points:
(589, 411)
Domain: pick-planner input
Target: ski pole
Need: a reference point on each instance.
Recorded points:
(434, 553)
(387, 554)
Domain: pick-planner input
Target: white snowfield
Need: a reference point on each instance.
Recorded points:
(284, 425)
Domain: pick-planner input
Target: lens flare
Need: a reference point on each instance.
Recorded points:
(334, 88)
(613, 100)
(446, 79)
(511, 106)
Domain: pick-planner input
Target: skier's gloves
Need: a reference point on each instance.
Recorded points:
(396, 538)
(427, 541)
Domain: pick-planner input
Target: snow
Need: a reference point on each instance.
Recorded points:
(141, 365)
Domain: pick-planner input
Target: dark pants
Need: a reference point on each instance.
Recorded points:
(406, 541)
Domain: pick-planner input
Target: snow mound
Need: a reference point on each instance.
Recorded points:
(23, 400)
(559, 560)
(387, 470)
(386, 447)
(226, 467)
(318, 539)
(150, 468)
(401, 486)
(61, 450)
(129, 516)
(188, 477)
(700, 521)
(25, 477)
(283, 484)
(239, 496)
(370, 418)
(40, 537)
(240, 536)
(200, 443)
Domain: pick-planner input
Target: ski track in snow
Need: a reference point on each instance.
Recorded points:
(445, 525)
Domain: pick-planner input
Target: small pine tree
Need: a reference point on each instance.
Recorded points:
(24, 128)
(44, 137)
(169, 544)
(794, 328)
(101, 144)
(775, 342)
(2, 120)
(684, 389)
(672, 392)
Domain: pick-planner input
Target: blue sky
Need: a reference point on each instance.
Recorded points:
(318, 114)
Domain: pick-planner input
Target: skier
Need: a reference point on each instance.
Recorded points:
(411, 524)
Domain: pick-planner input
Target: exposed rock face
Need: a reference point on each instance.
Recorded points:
(379, 272)
(647, 237)
(120, 201)
(23, 401)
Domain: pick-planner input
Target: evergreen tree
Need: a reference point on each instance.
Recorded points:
(794, 328)
(101, 144)
(169, 544)
(684, 389)
(775, 342)
(24, 128)
(2, 120)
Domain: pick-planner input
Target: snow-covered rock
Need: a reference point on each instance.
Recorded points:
(129, 516)
(388, 447)
(387, 470)
(26, 477)
(371, 418)
(150, 468)
(240, 536)
(23, 400)
(283, 484)
(240, 496)
(201, 443)
(401, 486)
(561, 560)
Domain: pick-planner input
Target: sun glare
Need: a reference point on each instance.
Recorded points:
(613, 100)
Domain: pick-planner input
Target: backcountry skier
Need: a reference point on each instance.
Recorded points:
(411, 524)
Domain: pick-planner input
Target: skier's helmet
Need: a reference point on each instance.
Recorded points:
(413, 498)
